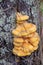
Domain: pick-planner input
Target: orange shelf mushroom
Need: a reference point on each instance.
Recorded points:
(26, 39)
(21, 18)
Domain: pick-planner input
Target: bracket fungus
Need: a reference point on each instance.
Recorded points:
(26, 39)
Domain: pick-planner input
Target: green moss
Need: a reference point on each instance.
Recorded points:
(41, 7)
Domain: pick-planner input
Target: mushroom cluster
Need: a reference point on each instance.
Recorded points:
(26, 39)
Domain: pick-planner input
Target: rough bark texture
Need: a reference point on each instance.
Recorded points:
(8, 9)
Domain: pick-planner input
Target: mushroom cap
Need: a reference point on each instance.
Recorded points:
(21, 18)
(24, 29)
(28, 47)
(20, 52)
(18, 40)
(34, 38)
(17, 44)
